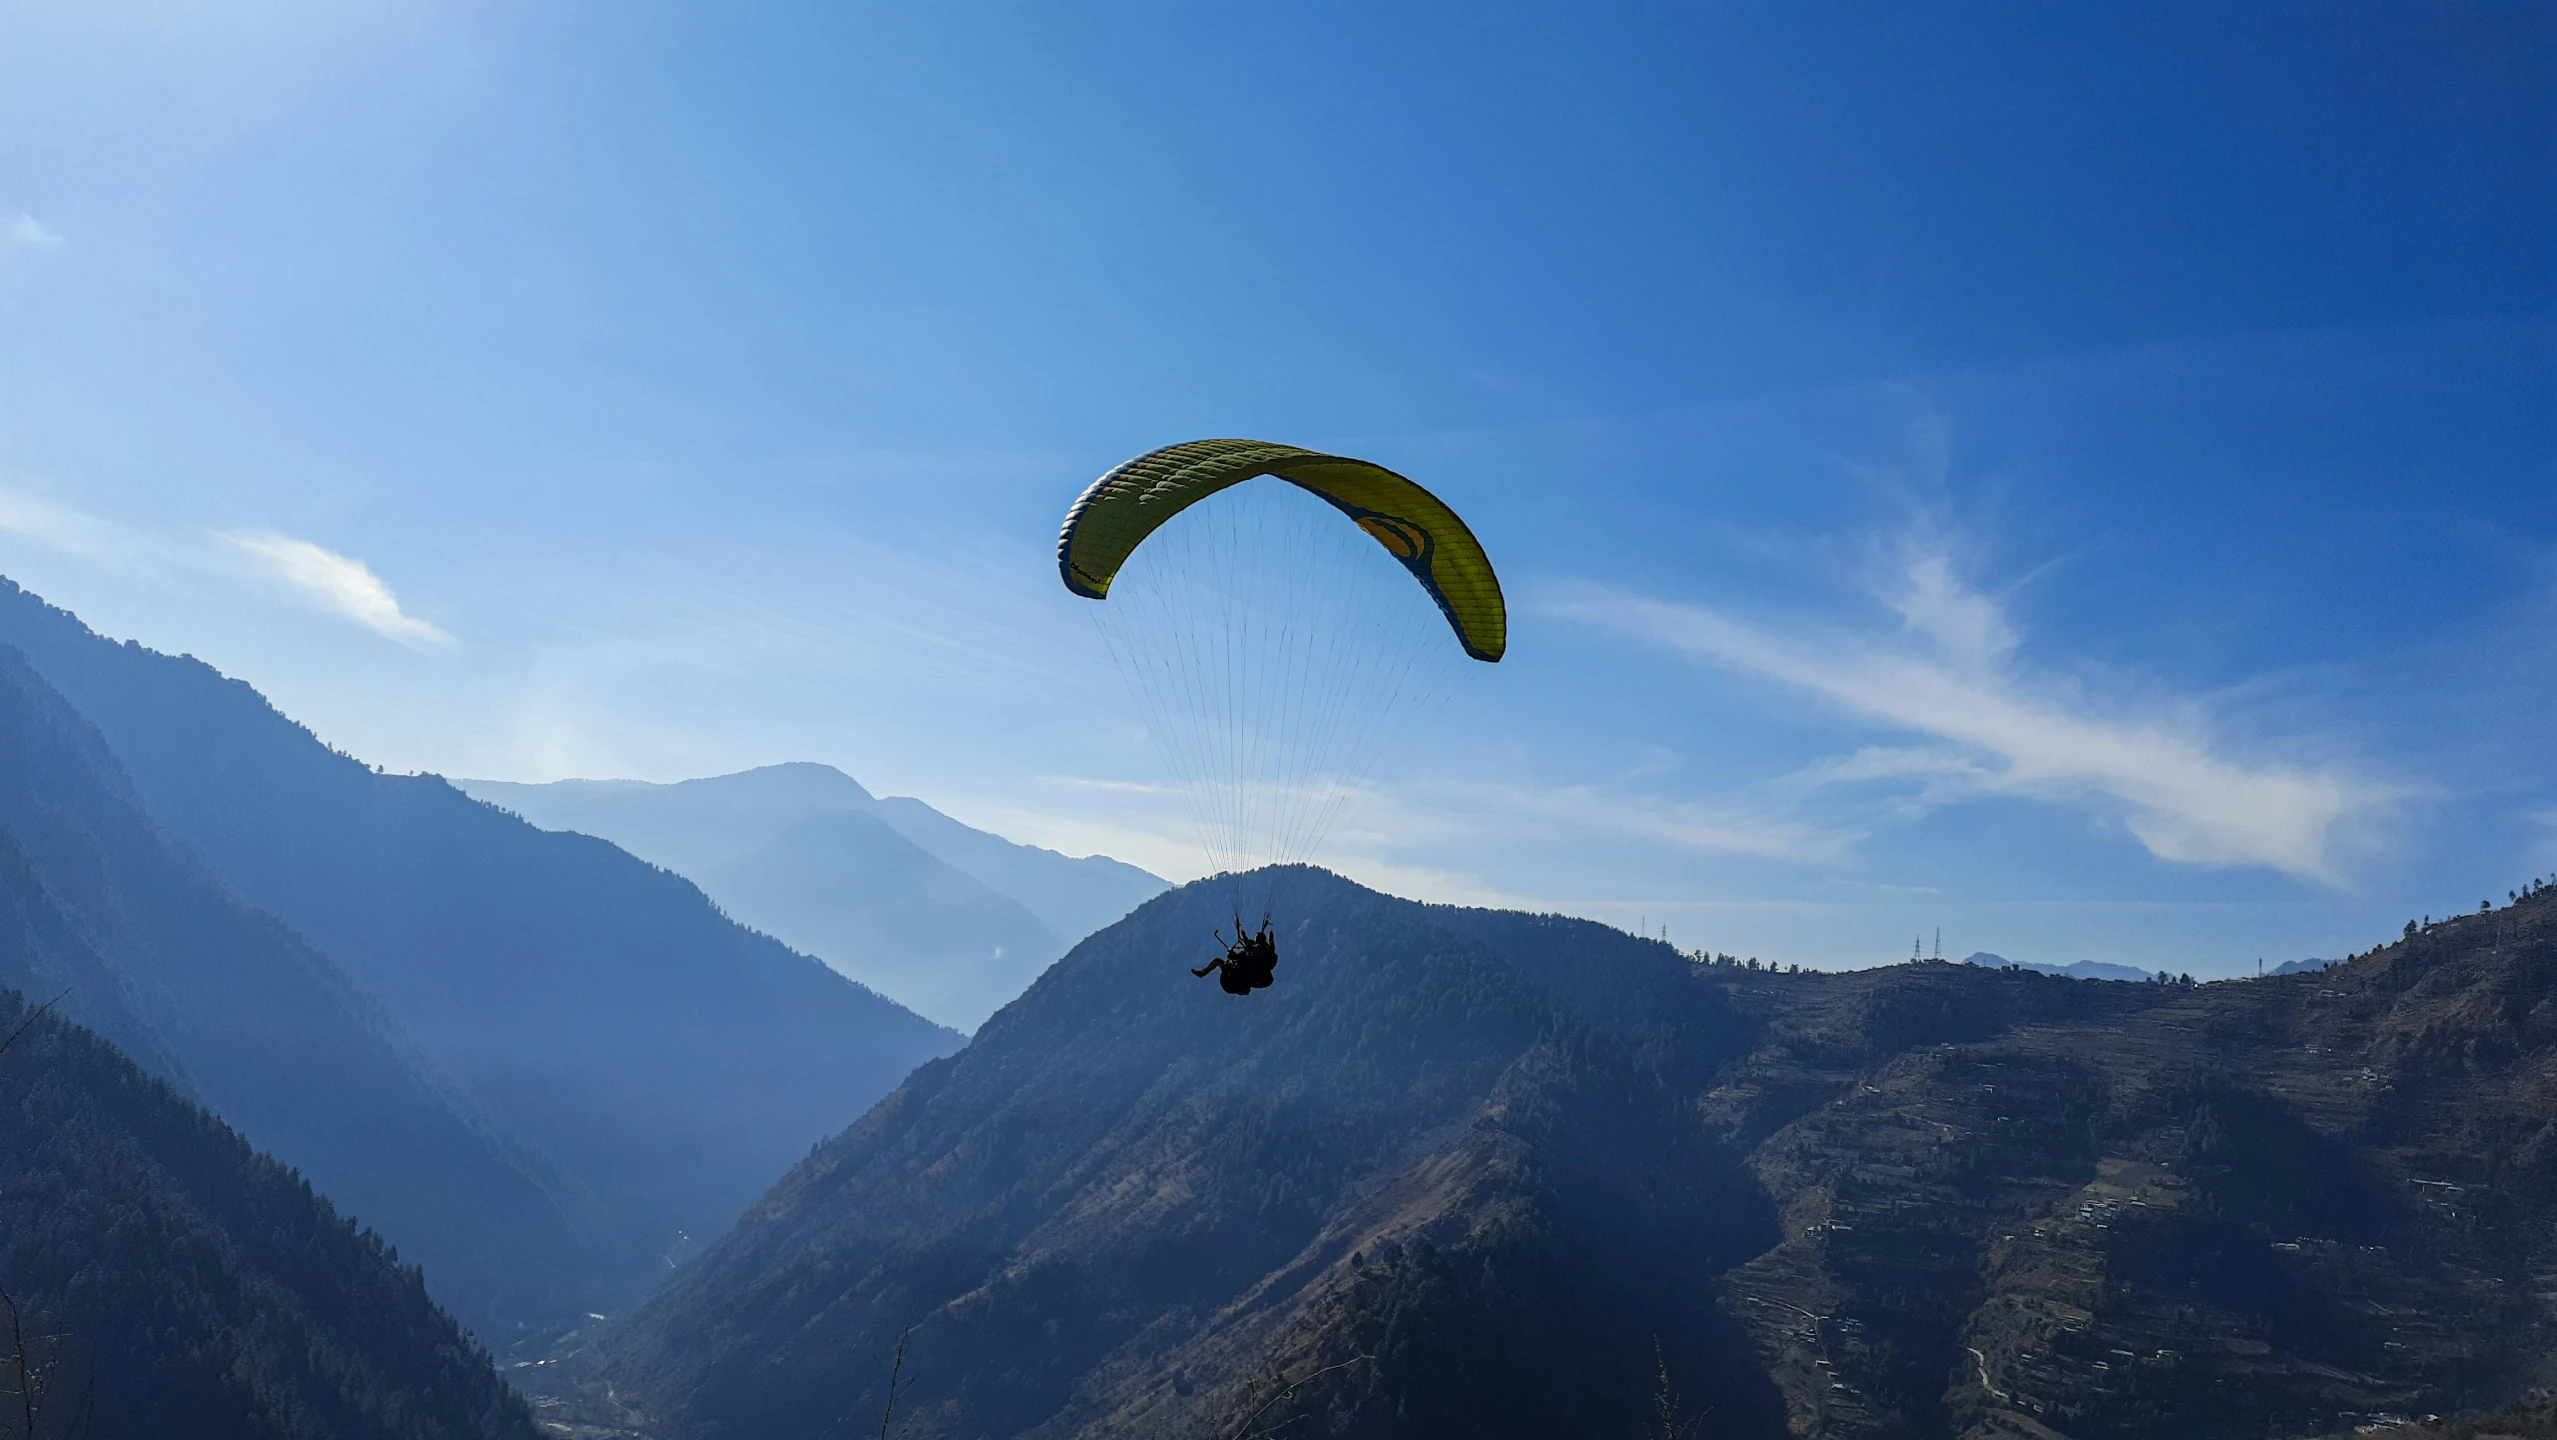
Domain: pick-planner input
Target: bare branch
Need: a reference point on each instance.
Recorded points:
(28, 1023)
(27, 1384)
(896, 1372)
(1243, 1428)
(1668, 1415)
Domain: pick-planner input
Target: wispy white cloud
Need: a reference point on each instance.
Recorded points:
(68, 528)
(25, 232)
(1951, 673)
(1424, 812)
(312, 573)
(336, 583)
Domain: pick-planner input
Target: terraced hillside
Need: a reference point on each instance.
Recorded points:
(2021, 1206)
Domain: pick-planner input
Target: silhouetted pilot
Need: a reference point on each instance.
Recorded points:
(1248, 964)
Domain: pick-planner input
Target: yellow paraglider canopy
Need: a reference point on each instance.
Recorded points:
(1415, 527)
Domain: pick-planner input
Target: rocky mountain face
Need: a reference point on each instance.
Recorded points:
(1466, 1172)
(160, 1279)
(2018, 1206)
(947, 919)
(659, 1062)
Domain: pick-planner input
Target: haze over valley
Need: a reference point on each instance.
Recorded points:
(946, 919)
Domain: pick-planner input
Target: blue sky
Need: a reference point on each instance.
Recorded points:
(2079, 476)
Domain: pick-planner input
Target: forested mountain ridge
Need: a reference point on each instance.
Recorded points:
(139, 943)
(2017, 1205)
(948, 919)
(1483, 1163)
(661, 1061)
(164, 1280)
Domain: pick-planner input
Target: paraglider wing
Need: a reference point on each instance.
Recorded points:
(1417, 528)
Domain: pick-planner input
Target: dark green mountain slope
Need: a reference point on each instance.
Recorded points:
(665, 1061)
(1459, 1142)
(139, 943)
(172, 1283)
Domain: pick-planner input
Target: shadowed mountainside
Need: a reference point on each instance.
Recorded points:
(661, 1060)
(170, 1282)
(1502, 1155)
(234, 1010)
(1455, 1141)
(950, 920)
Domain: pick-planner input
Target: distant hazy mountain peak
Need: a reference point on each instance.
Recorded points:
(796, 781)
(796, 787)
(889, 891)
(2074, 970)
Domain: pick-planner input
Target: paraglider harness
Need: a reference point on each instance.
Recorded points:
(1249, 962)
